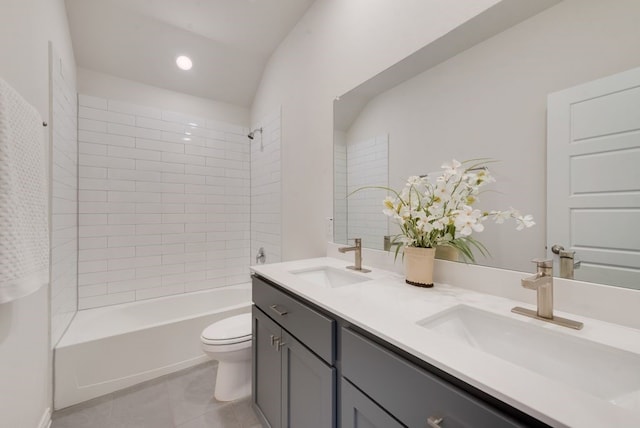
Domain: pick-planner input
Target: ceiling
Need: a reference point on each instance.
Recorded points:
(229, 41)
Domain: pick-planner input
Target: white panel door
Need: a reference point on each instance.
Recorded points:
(593, 177)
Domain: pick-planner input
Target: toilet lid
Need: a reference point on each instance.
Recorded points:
(234, 329)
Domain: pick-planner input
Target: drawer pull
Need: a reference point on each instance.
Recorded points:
(278, 311)
(434, 422)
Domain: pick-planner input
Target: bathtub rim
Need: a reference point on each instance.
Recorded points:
(67, 340)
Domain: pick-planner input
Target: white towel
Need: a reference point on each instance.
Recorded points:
(24, 207)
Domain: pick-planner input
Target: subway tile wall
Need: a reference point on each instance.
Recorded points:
(368, 165)
(339, 188)
(266, 224)
(164, 203)
(64, 199)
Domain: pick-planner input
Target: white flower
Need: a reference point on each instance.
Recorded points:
(422, 222)
(485, 177)
(440, 223)
(468, 220)
(500, 216)
(524, 221)
(390, 207)
(443, 192)
(451, 169)
(436, 210)
(404, 194)
(414, 180)
(439, 212)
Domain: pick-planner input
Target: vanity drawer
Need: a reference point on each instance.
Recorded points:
(309, 326)
(408, 392)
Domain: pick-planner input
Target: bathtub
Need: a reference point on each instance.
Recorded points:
(110, 348)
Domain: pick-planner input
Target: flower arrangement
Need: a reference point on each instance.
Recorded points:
(441, 214)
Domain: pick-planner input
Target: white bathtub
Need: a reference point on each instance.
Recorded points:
(110, 348)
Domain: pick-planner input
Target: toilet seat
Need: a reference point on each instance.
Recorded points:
(229, 331)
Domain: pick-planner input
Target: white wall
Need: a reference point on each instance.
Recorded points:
(26, 26)
(490, 101)
(336, 45)
(164, 202)
(102, 85)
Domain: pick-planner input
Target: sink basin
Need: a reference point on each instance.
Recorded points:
(330, 277)
(602, 371)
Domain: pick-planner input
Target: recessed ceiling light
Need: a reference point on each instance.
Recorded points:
(184, 62)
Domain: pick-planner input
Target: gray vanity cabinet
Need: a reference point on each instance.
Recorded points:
(358, 411)
(312, 369)
(293, 387)
(412, 395)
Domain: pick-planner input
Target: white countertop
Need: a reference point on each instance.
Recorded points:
(389, 308)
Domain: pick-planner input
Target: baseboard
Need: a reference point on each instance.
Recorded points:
(45, 421)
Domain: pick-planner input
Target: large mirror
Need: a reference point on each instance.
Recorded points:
(481, 92)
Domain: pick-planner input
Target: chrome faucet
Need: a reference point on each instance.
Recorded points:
(542, 282)
(357, 248)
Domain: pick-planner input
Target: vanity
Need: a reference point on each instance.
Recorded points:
(336, 348)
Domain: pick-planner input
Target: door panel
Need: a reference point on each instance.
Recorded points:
(612, 110)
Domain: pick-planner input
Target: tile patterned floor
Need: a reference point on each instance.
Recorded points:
(179, 400)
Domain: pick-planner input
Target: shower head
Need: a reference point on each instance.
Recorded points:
(252, 133)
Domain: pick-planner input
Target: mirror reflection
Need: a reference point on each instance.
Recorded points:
(488, 99)
(358, 164)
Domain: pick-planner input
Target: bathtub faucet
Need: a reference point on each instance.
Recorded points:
(261, 257)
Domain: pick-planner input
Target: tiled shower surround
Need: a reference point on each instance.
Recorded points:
(266, 189)
(339, 188)
(164, 203)
(367, 165)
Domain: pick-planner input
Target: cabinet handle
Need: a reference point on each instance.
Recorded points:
(434, 422)
(278, 311)
(279, 345)
(273, 340)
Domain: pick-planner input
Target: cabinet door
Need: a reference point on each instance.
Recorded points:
(308, 387)
(266, 369)
(358, 411)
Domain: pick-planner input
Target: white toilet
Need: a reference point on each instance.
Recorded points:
(229, 342)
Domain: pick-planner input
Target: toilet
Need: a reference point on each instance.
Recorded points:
(229, 342)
